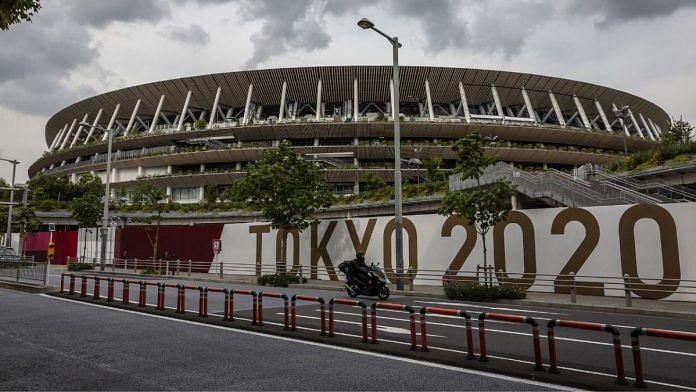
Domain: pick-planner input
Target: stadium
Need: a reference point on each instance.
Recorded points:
(195, 132)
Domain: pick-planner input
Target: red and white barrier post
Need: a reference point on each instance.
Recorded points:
(659, 333)
(71, 289)
(97, 288)
(83, 288)
(350, 302)
(616, 339)
(62, 284)
(293, 311)
(391, 306)
(259, 305)
(126, 292)
(180, 299)
(511, 318)
(254, 304)
(142, 297)
(110, 290)
(447, 312)
(202, 301)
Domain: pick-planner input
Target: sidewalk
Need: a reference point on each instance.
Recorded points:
(645, 307)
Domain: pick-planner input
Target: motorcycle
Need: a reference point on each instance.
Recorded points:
(372, 282)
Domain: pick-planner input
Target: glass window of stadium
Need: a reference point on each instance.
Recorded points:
(186, 194)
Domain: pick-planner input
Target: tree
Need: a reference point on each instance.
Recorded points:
(680, 133)
(151, 199)
(482, 207)
(87, 209)
(432, 169)
(373, 182)
(286, 189)
(15, 11)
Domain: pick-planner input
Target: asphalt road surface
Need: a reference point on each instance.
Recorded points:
(667, 363)
(49, 343)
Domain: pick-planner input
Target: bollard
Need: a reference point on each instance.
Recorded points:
(126, 292)
(189, 268)
(62, 277)
(511, 318)
(97, 288)
(202, 301)
(142, 294)
(627, 291)
(71, 289)
(410, 284)
(254, 305)
(573, 288)
(616, 342)
(447, 312)
(180, 299)
(110, 290)
(125, 264)
(654, 332)
(160, 296)
(299, 270)
(293, 313)
(83, 287)
(353, 302)
(391, 306)
(226, 293)
(259, 306)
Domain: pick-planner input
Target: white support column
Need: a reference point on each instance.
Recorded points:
(94, 124)
(645, 125)
(528, 104)
(496, 99)
(356, 111)
(581, 110)
(603, 116)
(465, 103)
(111, 121)
(182, 116)
(247, 105)
(429, 99)
(67, 135)
(318, 115)
(79, 130)
(635, 123)
(654, 129)
(140, 171)
(213, 111)
(132, 118)
(155, 118)
(294, 110)
(283, 93)
(391, 97)
(59, 135)
(557, 109)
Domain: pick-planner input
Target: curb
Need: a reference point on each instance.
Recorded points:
(27, 288)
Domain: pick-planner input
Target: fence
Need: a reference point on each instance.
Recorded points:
(574, 284)
(24, 271)
(406, 309)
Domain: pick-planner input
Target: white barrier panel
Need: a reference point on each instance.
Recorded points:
(653, 243)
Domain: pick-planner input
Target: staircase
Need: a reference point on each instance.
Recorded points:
(558, 188)
(667, 193)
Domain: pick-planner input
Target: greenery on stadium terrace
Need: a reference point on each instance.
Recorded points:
(677, 147)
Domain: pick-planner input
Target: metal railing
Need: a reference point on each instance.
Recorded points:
(555, 185)
(628, 287)
(668, 193)
(24, 270)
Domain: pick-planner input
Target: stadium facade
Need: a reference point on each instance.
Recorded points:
(191, 133)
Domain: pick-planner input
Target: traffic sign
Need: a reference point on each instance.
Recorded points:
(51, 251)
(217, 246)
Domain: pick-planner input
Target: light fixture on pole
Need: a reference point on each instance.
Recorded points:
(622, 115)
(8, 239)
(107, 194)
(398, 226)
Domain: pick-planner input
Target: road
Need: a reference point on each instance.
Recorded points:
(50, 343)
(667, 363)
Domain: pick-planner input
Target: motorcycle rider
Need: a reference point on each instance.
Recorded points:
(361, 267)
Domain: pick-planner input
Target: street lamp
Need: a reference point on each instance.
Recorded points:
(622, 114)
(107, 194)
(8, 240)
(398, 226)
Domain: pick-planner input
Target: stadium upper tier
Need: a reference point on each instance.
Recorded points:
(341, 116)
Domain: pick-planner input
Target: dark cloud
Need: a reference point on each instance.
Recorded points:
(194, 34)
(617, 11)
(96, 13)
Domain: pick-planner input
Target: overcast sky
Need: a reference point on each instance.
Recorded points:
(78, 48)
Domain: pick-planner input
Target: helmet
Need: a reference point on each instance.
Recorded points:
(360, 256)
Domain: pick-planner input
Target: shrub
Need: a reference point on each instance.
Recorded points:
(477, 292)
(280, 280)
(148, 271)
(80, 266)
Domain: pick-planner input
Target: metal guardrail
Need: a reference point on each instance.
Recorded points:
(668, 192)
(625, 286)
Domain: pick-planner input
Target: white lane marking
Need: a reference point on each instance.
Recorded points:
(383, 328)
(575, 340)
(328, 346)
(465, 304)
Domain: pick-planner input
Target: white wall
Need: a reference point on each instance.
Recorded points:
(609, 247)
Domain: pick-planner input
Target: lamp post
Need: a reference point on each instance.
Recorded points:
(622, 114)
(394, 41)
(107, 194)
(8, 239)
